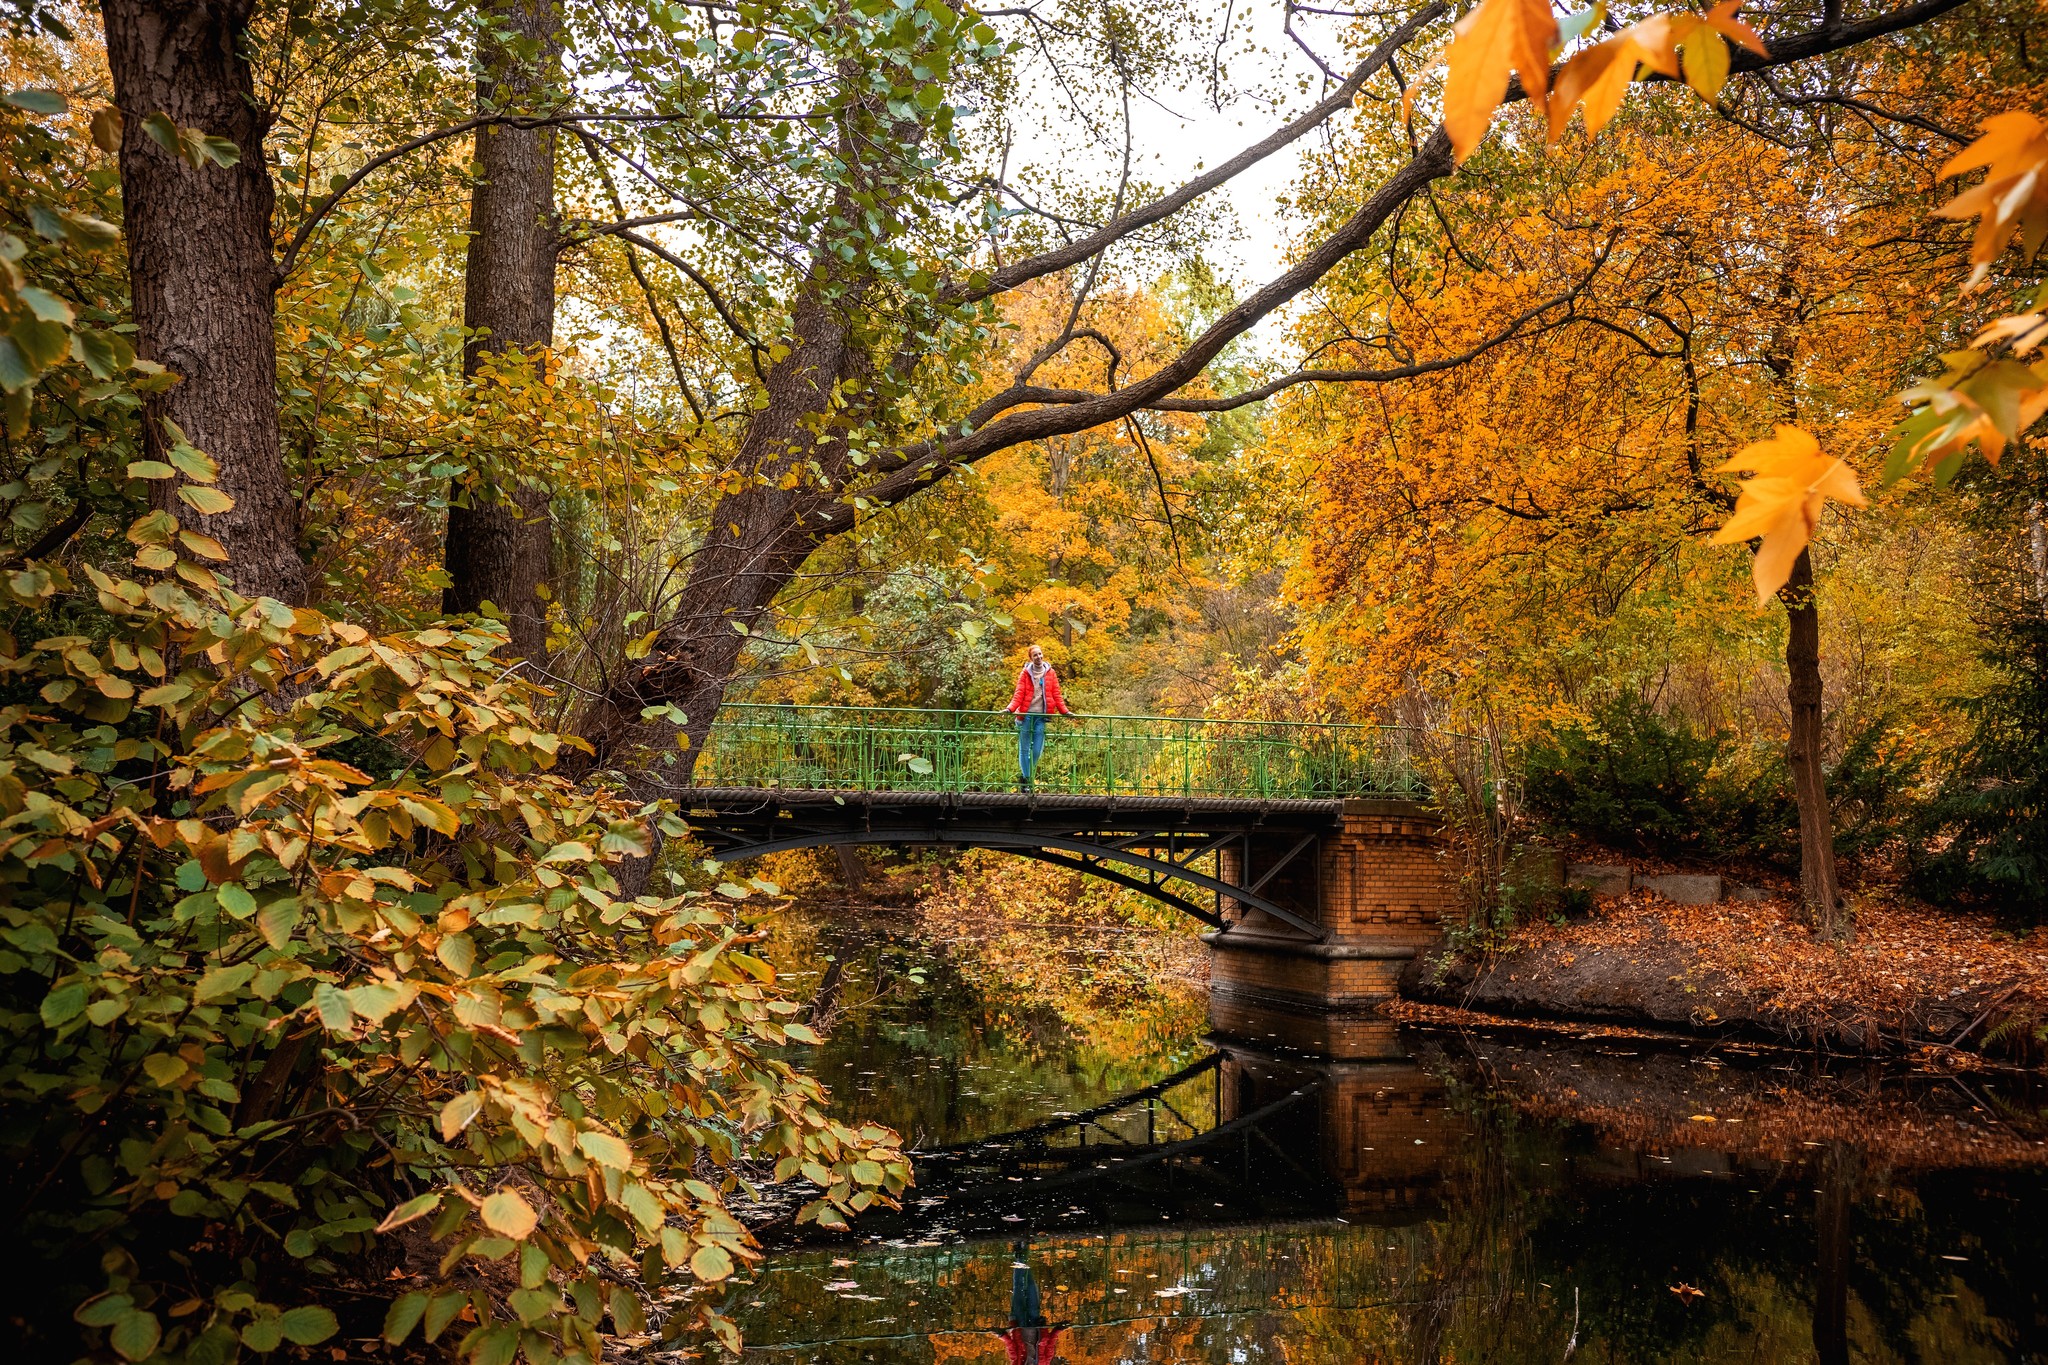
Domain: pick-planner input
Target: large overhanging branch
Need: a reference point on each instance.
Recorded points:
(1109, 234)
(995, 426)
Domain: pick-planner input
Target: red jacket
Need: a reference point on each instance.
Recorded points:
(1055, 704)
(1013, 1340)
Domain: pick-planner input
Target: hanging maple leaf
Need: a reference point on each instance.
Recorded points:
(2014, 195)
(1498, 37)
(1694, 46)
(1782, 503)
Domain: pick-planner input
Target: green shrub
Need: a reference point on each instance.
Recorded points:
(1990, 819)
(260, 1008)
(1634, 779)
(1630, 780)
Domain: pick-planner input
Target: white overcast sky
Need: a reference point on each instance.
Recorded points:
(1182, 133)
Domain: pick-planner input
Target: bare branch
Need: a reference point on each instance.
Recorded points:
(312, 220)
(1165, 206)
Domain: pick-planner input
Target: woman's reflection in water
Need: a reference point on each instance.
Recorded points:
(1029, 1339)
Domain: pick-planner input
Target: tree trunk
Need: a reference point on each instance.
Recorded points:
(203, 276)
(758, 540)
(1818, 890)
(497, 550)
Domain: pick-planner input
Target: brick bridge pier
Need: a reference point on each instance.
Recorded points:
(1374, 883)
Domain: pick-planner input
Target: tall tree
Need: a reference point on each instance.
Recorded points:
(499, 534)
(799, 484)
(197, 202)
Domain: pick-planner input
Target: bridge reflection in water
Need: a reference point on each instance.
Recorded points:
(1285, 1154)
(1515, 1200)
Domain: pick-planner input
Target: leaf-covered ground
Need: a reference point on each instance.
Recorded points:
(1910, 976)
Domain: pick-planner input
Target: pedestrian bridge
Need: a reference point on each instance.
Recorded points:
(1308, 848)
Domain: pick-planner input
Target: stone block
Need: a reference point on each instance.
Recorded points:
(1602, 879)
(1685, 888)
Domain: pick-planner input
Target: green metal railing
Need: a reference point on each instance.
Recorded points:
(872, 748)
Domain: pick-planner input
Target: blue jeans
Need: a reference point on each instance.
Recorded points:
(1030, 742)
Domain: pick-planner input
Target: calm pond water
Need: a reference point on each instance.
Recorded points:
(1165, 1196)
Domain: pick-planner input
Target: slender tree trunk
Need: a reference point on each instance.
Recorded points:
(203, 276)
(497, 550)
(1818, 889)
(1834, 1257)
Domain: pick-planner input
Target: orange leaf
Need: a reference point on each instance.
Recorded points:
(1721, 18)
(1599, 77)
(1782, 504)
(2014, 196)
(1498, 37)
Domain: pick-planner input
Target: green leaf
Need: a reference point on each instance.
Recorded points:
(164, 1068)
(412, 1209)
(308, 1326)
(46, 306)
(377, 1002)
(627, 1316)
(441, 1311)
(194, 464)
(276, 920)
(457, 953)
(223, 981)
(333, 1008)
(135, 1336)
(264, 1334)
(103, 1310)
(495, 1345)
(164, 133)
(236, 900)
(64, 1004)
(403, 1315)
(36, 101)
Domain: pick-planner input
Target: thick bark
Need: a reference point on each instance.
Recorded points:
(1818, 889)
(497, 551)
(200, 266)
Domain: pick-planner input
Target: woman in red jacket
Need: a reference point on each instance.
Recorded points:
(1037, 696)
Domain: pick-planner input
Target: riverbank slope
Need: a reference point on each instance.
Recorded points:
(1910, 979)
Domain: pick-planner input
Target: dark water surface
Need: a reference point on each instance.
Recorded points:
(1458, 1197)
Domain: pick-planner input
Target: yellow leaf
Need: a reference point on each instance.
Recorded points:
(1782, 503)
(508, 1215)
(1498, 37)
(1706, 62)
(605, 1150)
(459, 1113)
(711, 1263)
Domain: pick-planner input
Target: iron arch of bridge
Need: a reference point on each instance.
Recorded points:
(1148, 845)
